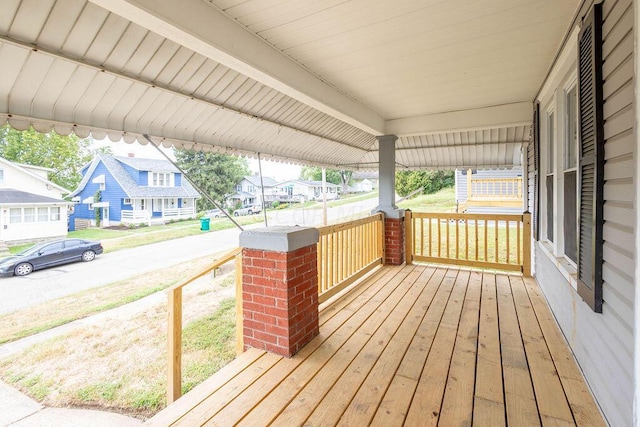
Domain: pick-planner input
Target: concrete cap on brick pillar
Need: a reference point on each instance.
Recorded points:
(279, 239)
(390, 212)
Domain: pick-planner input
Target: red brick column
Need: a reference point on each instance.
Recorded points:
(279, 291)
(394, 244)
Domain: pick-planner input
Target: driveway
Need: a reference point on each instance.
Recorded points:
(45, 285)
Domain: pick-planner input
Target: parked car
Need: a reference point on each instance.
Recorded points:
(214, 213)
(248, 210)
(49, 254)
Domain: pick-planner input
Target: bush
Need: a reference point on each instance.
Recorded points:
(275, 204)
(429, 181)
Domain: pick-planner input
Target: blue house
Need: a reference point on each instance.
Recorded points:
(129, 190)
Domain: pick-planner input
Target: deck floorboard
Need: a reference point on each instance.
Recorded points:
(410, 345)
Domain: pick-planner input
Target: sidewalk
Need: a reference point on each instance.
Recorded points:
(19, 410)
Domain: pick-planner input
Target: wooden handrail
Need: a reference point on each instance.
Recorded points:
(174, 327)
(495, 241)
(348, 251)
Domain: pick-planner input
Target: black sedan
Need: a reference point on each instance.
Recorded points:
(49, 254)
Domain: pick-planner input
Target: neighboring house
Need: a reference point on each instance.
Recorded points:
(36, 211)
(299, 190)
(363, 182)
(489, 190)
(249, 191)
(132, 190)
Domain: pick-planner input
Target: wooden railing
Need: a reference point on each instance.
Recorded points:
(497, 192)
(488, 241)
(348, 251)
(174, 327)
(179, 212)
(136, 216)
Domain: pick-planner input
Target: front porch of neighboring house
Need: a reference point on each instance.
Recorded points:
(413, 344)
(489, 191)
(157, 210)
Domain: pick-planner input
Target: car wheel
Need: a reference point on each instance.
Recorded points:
(23, 269)
(236, 214)
(250, 212)
(88, 256)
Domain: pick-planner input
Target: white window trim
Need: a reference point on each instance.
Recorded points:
(553, 98)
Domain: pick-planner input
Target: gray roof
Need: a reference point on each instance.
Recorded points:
(255, 180)
(141, 164)
(307, 183)
(133, 190)
(11, 196)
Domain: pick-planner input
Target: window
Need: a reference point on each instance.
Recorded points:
(160, 179)
(29, 214)
(1, 176)
(55, 214)
(570, 175)
(15, 215)
(43, 214)
(551, 148)
(127, 201)
(143, 204)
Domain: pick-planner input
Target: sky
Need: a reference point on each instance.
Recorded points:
(275, 170)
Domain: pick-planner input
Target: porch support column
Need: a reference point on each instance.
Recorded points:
(394, 239)
(279, 288)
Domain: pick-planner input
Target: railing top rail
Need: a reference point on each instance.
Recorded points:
(217, 263)
(518, 178)
(328, 229)
(444, 215)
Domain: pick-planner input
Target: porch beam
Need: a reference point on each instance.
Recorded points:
(514, 114)
(208, 31)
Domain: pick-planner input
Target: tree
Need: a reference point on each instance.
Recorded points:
(66, 155)
(429, 181)
(334, 176)
(216, 174)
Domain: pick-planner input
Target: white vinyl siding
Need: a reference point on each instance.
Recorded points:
(603, 343)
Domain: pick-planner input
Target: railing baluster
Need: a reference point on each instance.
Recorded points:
(518, 242)
(486, 240)
(457, 239)
(507, 237)
(495, 238)
(466, 239)
(475, 224)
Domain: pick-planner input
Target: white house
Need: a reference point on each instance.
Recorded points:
(31, 206)
(249, 190)
(307, 190)
(363, 182)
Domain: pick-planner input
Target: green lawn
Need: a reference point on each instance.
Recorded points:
(442, 201)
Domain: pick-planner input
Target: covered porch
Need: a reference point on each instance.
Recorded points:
(413, 345)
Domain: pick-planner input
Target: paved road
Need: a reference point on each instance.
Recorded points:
(45, 285)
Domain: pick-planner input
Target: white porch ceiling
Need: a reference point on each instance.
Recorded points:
(309, 81)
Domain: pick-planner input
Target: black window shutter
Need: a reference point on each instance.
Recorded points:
(535, 128)
(591, 163)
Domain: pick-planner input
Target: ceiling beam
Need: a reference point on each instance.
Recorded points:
(516, 114)
(208, 31)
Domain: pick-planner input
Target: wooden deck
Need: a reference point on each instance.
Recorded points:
(412, 345)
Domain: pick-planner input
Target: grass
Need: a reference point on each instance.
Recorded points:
(442, 201)
(120, 364)
(47, 315)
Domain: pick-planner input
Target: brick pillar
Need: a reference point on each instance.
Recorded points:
(279, 288)
(394, 243)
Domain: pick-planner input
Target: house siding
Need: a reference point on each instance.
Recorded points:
(113, 194)
(603, 344)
